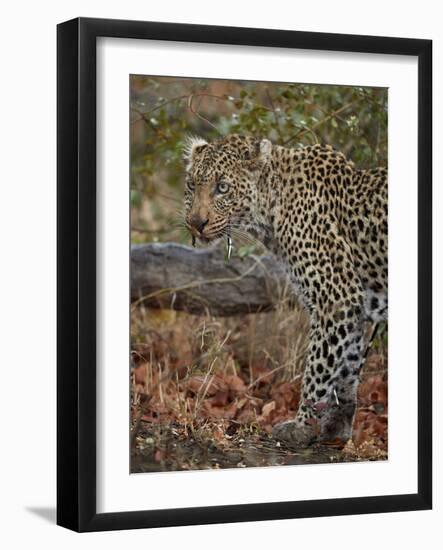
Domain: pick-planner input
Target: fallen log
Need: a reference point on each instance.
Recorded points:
(174, 276)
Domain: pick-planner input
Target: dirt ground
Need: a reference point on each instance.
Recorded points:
(171, 449)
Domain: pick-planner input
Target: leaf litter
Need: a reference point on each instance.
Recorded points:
(203, 398)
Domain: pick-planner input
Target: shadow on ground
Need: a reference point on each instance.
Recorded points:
(46, 513)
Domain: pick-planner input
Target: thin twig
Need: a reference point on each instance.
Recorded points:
(301, 132)
(201, 117)
(144, 115)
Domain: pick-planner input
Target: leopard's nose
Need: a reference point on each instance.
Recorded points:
(199, 223)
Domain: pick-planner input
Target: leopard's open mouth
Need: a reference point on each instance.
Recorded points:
(212, 237)
(209, 237)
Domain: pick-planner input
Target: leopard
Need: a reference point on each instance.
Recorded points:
(326, 222)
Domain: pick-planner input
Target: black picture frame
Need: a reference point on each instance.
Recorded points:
(76, 265)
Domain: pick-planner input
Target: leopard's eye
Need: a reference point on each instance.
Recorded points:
(222, 187)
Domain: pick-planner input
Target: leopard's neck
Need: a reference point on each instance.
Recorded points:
(268, 202)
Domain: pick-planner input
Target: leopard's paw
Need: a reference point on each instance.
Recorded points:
(294, 433)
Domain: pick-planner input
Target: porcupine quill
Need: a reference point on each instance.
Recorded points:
(228, 247)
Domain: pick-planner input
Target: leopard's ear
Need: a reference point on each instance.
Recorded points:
(260, 153)
(264, 150)
(193, 145)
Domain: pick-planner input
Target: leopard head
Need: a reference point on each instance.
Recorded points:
(221, 183)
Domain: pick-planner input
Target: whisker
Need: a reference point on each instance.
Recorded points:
(242, 235)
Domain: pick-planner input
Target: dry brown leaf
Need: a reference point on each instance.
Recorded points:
(210, 385)
(268, 408)
(235, 383)
(140, 374)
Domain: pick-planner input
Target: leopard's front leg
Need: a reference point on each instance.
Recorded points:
(329, 390)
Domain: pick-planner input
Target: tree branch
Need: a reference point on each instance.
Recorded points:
(174, 276)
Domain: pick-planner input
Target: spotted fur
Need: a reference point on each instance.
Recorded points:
(327, 222)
